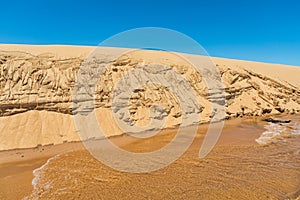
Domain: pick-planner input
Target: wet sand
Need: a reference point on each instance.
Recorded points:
(16, 167)
(237, 168)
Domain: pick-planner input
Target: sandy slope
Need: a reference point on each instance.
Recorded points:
(36, 85)
(276, 71)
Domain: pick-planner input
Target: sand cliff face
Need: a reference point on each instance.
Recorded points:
(36, 88)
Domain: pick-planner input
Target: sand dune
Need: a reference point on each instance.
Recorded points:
(36, 88)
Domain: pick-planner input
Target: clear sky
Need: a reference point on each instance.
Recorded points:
(260, 30)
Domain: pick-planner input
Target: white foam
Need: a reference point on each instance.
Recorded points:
(296, 129)
(278, 132)
(36, 174)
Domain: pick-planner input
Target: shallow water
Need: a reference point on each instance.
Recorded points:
(276, 132)
(237, 168)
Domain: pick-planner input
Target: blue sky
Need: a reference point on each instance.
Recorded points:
(267, 31)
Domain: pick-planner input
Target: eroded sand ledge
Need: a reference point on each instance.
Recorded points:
(36, 91)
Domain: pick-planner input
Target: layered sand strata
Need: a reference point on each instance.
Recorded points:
(36, 87)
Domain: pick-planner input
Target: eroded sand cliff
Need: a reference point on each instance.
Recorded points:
(36, 92)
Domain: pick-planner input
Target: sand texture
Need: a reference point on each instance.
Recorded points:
(36, 88)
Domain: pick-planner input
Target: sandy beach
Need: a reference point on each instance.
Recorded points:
(16, 167)
(41, 156)
(232, 170)
(150, 100)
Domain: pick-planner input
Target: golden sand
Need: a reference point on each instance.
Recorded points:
(36, 110)
(237, 168)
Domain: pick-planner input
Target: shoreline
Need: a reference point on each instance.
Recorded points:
(19, 164)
